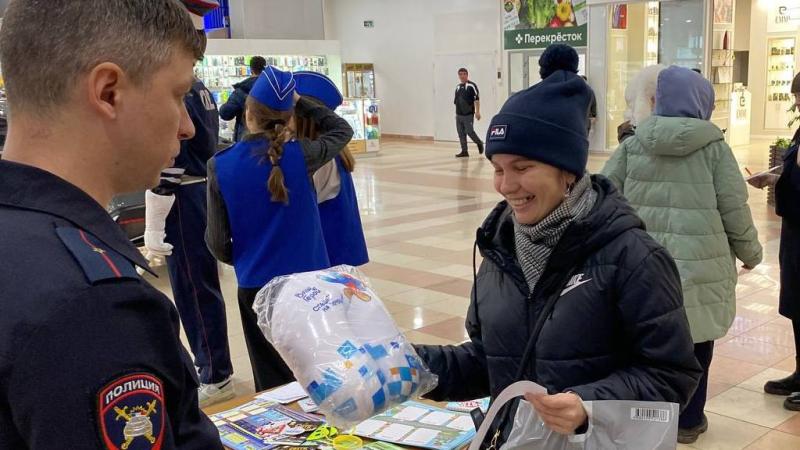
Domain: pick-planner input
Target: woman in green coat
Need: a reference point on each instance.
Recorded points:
(683, 180)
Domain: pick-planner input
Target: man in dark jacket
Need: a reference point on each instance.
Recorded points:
(90, 352)
(234, 107)
(604, 297)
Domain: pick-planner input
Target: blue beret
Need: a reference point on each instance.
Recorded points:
(274, 89)
(318, 86)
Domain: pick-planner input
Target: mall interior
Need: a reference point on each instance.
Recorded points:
(396, 65)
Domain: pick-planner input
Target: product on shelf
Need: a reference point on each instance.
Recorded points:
(780, 72)
(221, 72)
(363, 115)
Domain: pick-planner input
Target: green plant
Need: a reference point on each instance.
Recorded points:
(782, 143)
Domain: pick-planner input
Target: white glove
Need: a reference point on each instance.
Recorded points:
(157, 209)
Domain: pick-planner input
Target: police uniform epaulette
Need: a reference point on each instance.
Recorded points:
(98, 261)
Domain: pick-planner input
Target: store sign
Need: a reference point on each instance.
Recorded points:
(740, 102)
(534, 38)
(783, 16)
(740, 111)
(539, 23)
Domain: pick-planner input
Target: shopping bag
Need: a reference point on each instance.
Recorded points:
(613, 424)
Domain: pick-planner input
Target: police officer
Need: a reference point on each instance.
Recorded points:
(90, 355)
(175, 226)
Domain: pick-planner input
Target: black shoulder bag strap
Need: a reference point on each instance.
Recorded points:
(530, 353)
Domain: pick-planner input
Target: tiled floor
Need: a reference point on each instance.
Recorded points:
(420, 208)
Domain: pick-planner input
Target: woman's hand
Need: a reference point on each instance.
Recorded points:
(763, 180)
(562, 413)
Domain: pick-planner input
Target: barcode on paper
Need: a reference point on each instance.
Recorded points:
(650, 414)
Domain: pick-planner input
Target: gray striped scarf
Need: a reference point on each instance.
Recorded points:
(535, 243)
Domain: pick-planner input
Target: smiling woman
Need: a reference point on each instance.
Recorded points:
(572, 293)
(532, 189)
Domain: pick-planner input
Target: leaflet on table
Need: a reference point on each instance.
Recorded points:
(419, 425)
(468, 406)
(285, 395)
(308, 405)
(263, 425)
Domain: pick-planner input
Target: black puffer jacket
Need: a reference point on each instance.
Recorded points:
(618, 329)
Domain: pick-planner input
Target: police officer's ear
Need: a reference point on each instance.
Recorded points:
(201, 35)
(105, 86)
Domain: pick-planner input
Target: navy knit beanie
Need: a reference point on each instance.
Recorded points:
(546, 123)
(558, 57)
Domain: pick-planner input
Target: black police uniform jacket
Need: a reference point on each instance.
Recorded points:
(618, 329)
(90, 353)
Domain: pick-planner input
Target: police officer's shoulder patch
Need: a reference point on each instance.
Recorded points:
(130, 412)
(98, 261)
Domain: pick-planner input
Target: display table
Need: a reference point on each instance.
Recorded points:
(239, 401)
(230, 404)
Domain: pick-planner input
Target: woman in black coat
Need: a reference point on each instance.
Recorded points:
(787, 205)
(568, 273)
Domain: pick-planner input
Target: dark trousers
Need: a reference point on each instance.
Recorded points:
(464, 128)
(195, 285)
(269, 370)
(692, 416)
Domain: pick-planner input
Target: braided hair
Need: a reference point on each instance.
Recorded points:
(272, 127)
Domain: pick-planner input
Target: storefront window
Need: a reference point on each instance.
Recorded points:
(644, 34)
(681, 31)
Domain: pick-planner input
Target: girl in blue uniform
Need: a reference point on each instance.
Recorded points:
(338, 204)
(262, 206)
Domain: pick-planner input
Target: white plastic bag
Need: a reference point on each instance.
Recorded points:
(342, 345)
(613, 424)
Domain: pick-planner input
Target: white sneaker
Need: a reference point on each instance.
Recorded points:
(210, 394)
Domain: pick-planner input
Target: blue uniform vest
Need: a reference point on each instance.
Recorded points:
(341, 224)
(270, 238)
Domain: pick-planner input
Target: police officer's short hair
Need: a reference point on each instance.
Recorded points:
(45, 45)
(463, 70)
